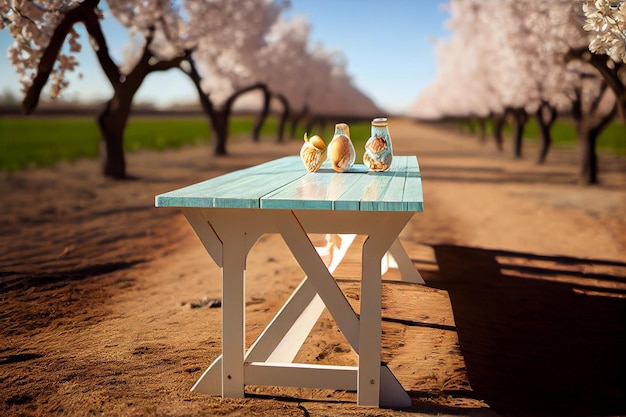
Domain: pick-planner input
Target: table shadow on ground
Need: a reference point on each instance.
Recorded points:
(538, 338)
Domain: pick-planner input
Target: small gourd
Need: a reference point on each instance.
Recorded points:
(313, 152)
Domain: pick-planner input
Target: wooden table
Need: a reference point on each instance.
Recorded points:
(229, 213)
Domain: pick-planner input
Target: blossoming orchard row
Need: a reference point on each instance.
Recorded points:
(518, 58)
(226, 48)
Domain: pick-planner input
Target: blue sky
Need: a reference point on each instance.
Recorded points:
(388, 46)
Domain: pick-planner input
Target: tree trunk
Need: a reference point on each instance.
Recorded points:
(221, 117)
(589, 125)
(113, 119)
(284, 116)
(546, 116)
(587, 137)
(265, 109)
(219, 130)
(310, 125)
(218, 117)
(520, 117)
(112, 123)
(588, 133)
(498, 125)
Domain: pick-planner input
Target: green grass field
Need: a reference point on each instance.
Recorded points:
(43, 141)
(612, 139)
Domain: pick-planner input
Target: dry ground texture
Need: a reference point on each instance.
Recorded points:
(103, 298)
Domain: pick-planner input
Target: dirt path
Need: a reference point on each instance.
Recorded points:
(98, 288)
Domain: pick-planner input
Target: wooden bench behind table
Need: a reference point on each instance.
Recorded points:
(229, 213)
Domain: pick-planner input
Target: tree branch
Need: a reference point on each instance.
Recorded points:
(229, 102)
(610, 73)
(167, 65)
(194, 75)
(595, 103)
(48, 59)
(600, 62)
(110, 68)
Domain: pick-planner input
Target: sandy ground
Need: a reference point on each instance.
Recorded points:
(108, 305)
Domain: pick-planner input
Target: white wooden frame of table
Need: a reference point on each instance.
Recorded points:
(228, 234)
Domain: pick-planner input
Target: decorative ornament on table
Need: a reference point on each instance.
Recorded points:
(341, 150)
(313, 152)
(378, 150)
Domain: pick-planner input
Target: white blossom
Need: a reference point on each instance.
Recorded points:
(235, 42)
(606, 20)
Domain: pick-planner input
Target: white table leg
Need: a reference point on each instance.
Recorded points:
(375, 247)
(233, 315)
(370, 329)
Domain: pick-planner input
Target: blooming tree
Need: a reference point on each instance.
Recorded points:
(606, 21)
(221, 63)
(283, 65)
(510, 56)
(274, 56)
(544, 34)
(40, 30)
(226, 47)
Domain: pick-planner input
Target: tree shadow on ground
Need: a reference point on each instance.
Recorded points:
(540, 335)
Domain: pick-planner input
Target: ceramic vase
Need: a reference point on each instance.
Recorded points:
(378, 150)
(340, 149)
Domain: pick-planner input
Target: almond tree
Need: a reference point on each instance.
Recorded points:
(530, 41)
(548, 31)
(278, 62)
(594, 104)
(281, 66)
(250, 46)
(464, 85)
(40, 30)
(333, 93)
(222, 61)
(226, 47)
(509, 75)
(542, 37)
(606, 21)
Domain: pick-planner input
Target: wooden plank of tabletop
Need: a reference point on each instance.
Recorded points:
(368, 191)
(285, 184)
(387, 193)
(246, 191)
(316, 190)
(414, 198)
(239, 189)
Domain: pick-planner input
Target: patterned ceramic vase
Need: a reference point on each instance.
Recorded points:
(378, 151)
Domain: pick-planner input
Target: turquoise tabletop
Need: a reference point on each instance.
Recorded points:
(286, 184)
